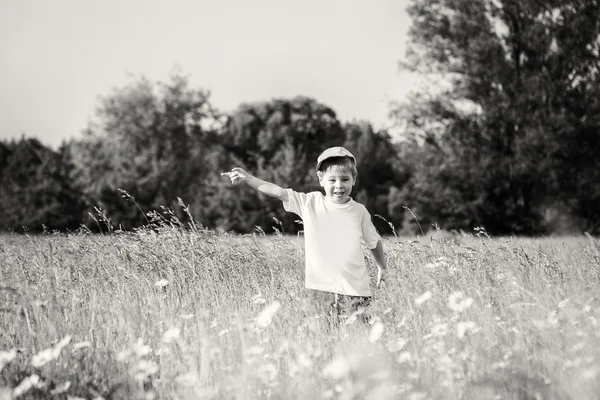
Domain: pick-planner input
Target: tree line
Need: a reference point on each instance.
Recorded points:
(508, 140)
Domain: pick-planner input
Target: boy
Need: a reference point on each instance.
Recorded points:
(334, 225)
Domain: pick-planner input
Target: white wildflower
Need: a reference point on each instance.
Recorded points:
(458, 302)
(61, 388)
(52, 353)
(439, 330)
(143, 369)
(258, 299)
(223, 332)
(463, 327)
(590, 374)
(161, 283)
(266, 315)
(255, 351)
(396, 345)
(6, 357)
(171, 335)
(553, 318)
(305, 361)
(139, 350)
(267, 372)
(81, 345)
(376, 332)
(337, 368)
(26, 385)
(423, 298)
(563, 303)
(403, 357)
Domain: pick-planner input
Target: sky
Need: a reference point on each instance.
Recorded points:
(59, 57)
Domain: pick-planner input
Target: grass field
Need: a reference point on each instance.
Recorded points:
(198, 315)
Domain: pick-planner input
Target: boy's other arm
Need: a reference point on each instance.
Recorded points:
(379, 256)
(238, 175)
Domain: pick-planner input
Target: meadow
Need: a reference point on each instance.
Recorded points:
(186, 313)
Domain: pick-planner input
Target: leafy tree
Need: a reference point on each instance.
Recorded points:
(500, 138)
(35, 190)
(152, 141)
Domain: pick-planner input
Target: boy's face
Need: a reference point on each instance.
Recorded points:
(337, 184)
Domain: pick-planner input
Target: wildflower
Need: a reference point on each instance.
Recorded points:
(143, 369)
(590, 374)
(258, 299)
(139, 350)
(418, 396)
(376, 332)
(52, 353)
(337, 368)
(256, 351)
(161, 283)
(396, 345)
(458, 302)
(563, 303)
(223, 332)
(26, 384)
(304, 360)
(171, 335)
(403, 387)
(439, 330)
(463, 327)
(81, 345)
(186, 316)
(553, 318)
(267, 373)
(423, 298)
(403, 357)
(188, 379)
(60, 388)
(266, 315)
(6, 357)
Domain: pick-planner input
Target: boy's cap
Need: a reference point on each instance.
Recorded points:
(334, 152)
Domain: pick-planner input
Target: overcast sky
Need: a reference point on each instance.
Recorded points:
(58, 56)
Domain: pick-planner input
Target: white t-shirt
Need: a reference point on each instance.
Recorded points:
(332, 240)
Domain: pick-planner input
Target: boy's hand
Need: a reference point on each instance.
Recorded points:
(237, 175)
(381, 276)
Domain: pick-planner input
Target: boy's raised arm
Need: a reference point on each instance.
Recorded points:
(238, 175)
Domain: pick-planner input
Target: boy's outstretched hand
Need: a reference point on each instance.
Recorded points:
(237, 175)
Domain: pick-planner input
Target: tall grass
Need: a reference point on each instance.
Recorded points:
(168, 312)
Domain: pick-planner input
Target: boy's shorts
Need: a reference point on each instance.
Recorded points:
(341, 304)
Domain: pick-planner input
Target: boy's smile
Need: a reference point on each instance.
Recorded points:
(337, 185)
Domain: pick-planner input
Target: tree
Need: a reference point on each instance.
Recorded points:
(150, 140)
(35, 190)
(521, 89)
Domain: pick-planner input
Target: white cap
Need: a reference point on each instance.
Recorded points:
(334, 152)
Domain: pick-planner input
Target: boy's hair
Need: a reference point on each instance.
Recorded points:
(345, 164)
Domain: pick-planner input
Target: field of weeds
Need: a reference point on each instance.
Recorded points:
(192, 314)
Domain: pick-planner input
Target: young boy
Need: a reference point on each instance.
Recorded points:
(334, 225)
